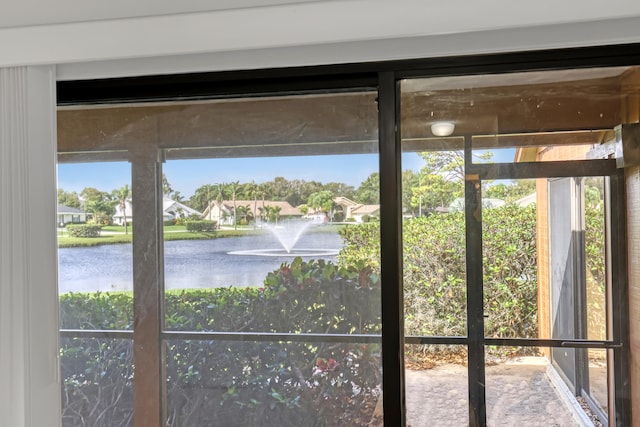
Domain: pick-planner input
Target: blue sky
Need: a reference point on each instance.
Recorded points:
(187, 175)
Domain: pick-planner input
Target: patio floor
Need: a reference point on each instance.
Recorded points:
(519, 393)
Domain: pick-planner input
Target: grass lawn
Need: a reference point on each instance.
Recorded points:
(175, 232)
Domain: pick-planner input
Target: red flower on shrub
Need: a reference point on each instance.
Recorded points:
(327, 365)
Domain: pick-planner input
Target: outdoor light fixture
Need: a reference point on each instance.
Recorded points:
(442, 128)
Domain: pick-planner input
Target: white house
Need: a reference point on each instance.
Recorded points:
(66, 215)
(356, 211)
(171, 210)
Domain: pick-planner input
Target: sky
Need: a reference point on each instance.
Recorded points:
(187, 175)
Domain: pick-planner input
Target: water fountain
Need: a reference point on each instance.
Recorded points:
(287, 234)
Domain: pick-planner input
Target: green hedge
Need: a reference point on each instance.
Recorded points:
(83, 230)
(237, 383)
(435, 271)
(203, 226)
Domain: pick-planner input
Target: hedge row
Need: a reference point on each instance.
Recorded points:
(435, 271)
(201, 226)
(237, 383)
(83, 230)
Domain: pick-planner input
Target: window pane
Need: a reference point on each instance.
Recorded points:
(544, 258)
(247, 383)
(518, 117)
(97, 382)
(509, 243)
(549, 147)
(95, 272)
(271, 220)
(434, 250)
(596, 395)
(436, 385)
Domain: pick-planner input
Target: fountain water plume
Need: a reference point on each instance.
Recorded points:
(288, 233)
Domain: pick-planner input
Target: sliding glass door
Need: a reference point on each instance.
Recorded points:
(400, 247)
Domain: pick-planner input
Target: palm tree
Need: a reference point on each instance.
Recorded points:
(251, 192)
(121, 195)
(244, 212)
(262, 190)
(220, 189)
(232, 188)
(202, 197)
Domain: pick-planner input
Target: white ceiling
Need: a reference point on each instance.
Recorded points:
(19, 13)
(246, 34)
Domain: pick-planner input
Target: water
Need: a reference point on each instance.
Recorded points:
(188, 263)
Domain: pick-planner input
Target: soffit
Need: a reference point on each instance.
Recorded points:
(534, 110)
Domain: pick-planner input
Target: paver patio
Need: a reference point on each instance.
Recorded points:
(518, 394)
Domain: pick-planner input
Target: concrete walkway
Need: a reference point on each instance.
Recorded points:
(518, 394)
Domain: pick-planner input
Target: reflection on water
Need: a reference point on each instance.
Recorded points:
(188, 263)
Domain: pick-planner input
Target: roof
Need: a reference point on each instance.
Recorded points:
(357, 208)
(365, 209)
(167, 205)
(174, 206)
(69, 210)
(255, 206)
(345, 201)
(527, 200)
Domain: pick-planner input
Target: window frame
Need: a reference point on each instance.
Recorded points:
(386, 77)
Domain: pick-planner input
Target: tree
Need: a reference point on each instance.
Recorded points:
(68, 198)
(177, 197)
(233, 188)
(273, 213)
(369, 191)
(340, 189)
(323, 201)
(220, 193)
(448, 164)
(121, 195)
(167, 190)
(99, 204)
(93, 194)
(202, 197)
(250, 191)
(510, 191)
(434, 191)
(410, 180)
(244, 212)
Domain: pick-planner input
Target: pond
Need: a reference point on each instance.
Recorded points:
(191, 263)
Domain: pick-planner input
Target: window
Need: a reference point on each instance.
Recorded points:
(242, 305)
(296, 246)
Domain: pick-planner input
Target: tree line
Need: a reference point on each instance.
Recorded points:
(436, 185)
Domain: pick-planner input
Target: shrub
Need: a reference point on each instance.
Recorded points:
(201, 226)
(84, 230)
(237, 383)
(435, 271)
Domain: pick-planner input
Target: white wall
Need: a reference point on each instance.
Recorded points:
(29, 381)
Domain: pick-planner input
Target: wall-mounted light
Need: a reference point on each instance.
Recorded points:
(442, 128)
